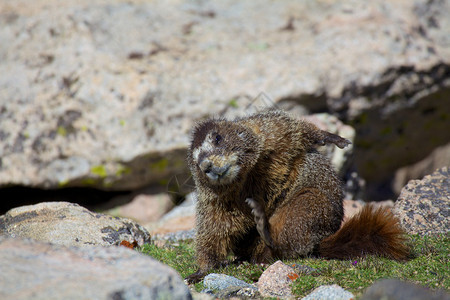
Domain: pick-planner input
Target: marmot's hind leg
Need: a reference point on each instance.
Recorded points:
(296, 227)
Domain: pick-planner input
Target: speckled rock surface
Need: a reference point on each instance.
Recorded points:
(69, 224)
(36, 270)
(225, 286)
(423, 206)
(215, 281)
(103, 94)
(276, 280)
(329, 292)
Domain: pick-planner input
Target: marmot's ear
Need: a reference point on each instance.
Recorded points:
(200, 132)
(330, 138)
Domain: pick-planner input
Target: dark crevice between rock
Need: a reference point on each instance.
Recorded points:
(90, 198)
(418, 81)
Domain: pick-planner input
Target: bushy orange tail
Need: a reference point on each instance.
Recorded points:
(372, 231)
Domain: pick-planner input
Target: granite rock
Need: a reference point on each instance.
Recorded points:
(69, 224)
(423, 206)
(37, 270)
(103, 94)
(276, 280)
(329, 292)
(225, 286)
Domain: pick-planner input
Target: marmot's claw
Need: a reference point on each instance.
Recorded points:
(195, 277)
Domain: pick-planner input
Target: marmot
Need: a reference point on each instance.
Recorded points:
(265, 192)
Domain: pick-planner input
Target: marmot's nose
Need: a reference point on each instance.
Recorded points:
(212, 171)
(205, 165)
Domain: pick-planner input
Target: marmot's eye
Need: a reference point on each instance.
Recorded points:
(218, 139)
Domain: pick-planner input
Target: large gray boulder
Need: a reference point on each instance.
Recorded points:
(69, 224)
(36, 270)
(103, 94)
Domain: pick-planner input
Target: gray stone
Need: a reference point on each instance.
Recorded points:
(423, 206)
(329, 292)
(69, 224)
(394, 289)
(36, 270)
(217, 282)
(103, 94)
(304, 269)
(225, 286)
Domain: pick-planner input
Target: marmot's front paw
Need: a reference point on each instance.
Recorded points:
(330, 138)
(195, 277)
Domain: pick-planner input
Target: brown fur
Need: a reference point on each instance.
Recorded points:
(372, 231)
(264, 192)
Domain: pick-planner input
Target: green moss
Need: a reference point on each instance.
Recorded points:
(122, 122)
(123, 170)
(107, 184)
(99, 170)
(88, 181)
(233, 103)
(160, 165)
(61, 131)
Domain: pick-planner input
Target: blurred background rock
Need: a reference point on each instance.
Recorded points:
(97, 98)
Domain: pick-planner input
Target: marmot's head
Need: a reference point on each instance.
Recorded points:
(222, 152)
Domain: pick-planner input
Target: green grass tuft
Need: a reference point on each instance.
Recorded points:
(429, 267)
